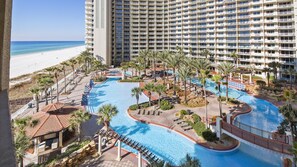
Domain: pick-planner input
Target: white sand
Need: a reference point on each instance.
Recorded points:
(29, 63)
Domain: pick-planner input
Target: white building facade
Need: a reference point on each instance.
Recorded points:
(259, 31)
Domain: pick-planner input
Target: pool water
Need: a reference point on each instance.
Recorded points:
(264, 115)
(164, 143)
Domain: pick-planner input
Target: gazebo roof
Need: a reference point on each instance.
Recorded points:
(50, 122)
(53, 107)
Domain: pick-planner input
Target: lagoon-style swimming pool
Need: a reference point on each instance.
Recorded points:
(164, 143)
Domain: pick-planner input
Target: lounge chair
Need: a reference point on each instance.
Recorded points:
(148, 112)
(143, 113)
(154, 112)
(139, 111)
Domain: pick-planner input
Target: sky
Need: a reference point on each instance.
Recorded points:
(48, 20)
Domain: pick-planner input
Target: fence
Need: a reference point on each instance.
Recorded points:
(257, 140)
(261, 133)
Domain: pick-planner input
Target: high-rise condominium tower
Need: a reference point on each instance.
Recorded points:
(259, 31)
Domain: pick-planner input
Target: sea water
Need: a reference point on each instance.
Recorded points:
(27, 47)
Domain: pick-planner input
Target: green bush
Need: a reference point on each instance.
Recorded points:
(99, 79)
(183, 113)
(144, 105)
(133, 107)
(196, 118)
(231, 100)
(166, 105)
(199, 127)
(209, 135)
(260, 83)
(133, 79)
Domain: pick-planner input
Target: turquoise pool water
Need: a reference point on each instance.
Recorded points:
(165, 143)
(264, 115)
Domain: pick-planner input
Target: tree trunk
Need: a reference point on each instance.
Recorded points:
(290, 81)
(137, 102)
(227, 87)
(185, 91)
(159, 101)
(37, 103)
(46, 100)
(51, 95)
(65, 82)
(78, 133)
(174, 85)
(154, 64)
(205, 98)
(57, 90)
(164, 73)
(220, 101)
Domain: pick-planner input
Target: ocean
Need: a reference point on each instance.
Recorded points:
(27, 47)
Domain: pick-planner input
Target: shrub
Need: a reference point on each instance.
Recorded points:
(100, 79)
(260, 83)
(166, 105)
(183, 113)
(231, 100)
(196, 118)
(133, 107)
(199, 127)
(133, 79)
(209, 136)
(144, 105)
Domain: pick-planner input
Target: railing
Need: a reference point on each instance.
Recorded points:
(261, 133)
(274, 145)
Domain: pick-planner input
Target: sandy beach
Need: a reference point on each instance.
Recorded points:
(29, 63)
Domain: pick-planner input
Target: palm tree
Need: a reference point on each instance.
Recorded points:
(57, 72)
(64, 65)
(46, 82)
(190, 162)
(159, 89)
(217, 79)
(149, 87)
(77, 118)
(132, 64)
(21, 143)
(200, 64)
(205, 53)
(153, 55)
(226, 68)
(203, 75)
(174, 62)
(143, 58)
(291, 73)
(20, 125)
(35, 91)
(235, 58)
(124, 67)
(137, 91)
(274, 66)
(163, 56)
(184, 72)
(73, 62)
(267, 72)
(106, 112)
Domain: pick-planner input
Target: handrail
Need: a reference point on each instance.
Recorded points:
(261, 133)
(271, 144)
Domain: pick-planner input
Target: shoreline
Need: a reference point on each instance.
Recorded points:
(30, 63)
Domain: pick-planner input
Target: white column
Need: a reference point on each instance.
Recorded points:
(100, 145)
(229, 118)
(218, 127)
(36, 146)
(123, 74)
(241, 78)
(139, 160)
(119, 150)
